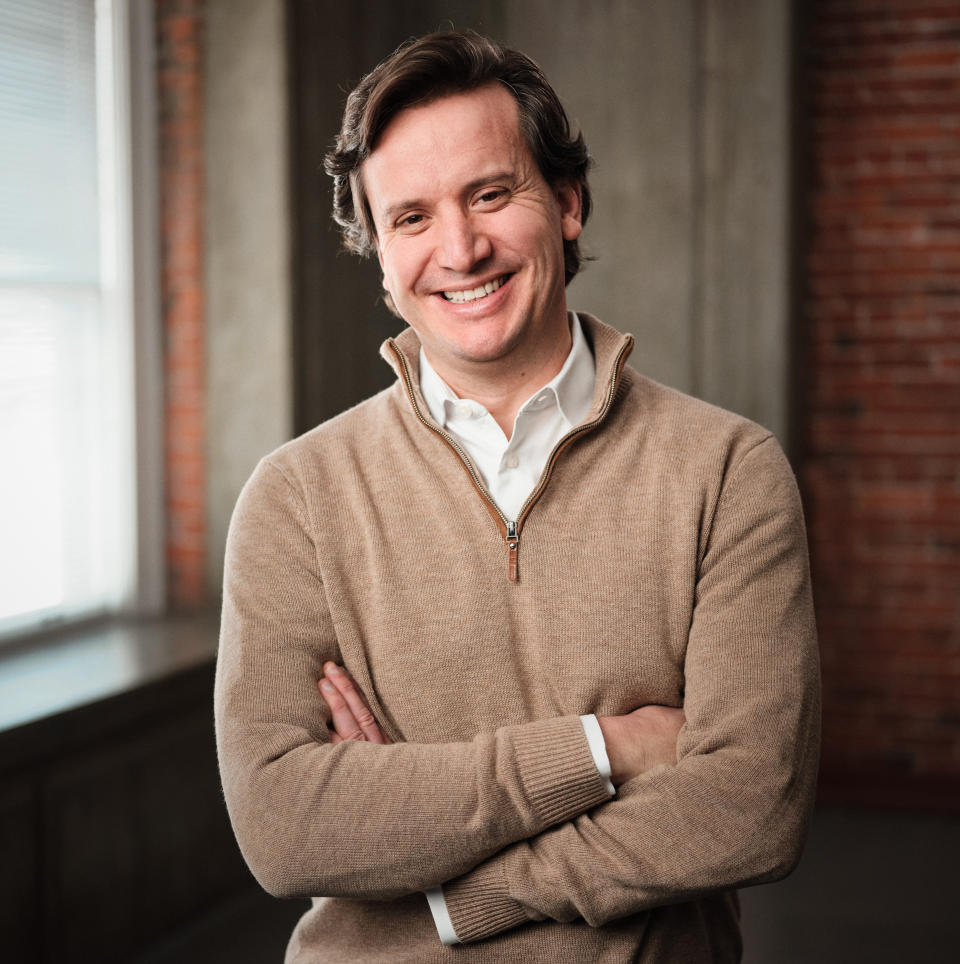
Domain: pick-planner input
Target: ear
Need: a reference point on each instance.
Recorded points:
(567, 193)
(383, 274)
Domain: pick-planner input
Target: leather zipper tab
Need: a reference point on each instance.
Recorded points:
(513, 540)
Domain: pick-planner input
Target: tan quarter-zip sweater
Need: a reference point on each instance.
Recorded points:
(661, 559)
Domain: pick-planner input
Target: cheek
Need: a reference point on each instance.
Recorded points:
(402, 266)
(540, 234)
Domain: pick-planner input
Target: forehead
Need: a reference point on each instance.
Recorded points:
(445, 144)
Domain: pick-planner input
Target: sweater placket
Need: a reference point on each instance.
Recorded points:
(510, 530)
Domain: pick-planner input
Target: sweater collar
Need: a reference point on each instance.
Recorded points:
(609, 346)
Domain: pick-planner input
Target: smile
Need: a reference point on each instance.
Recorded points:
(474, 294)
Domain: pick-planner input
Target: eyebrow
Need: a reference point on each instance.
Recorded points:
(393, 210)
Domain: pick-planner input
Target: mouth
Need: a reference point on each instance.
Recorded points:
(478, 293)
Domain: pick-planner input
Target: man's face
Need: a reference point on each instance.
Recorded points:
(460, 205)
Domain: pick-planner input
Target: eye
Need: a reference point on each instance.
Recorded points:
(410, 221)
(495, 194)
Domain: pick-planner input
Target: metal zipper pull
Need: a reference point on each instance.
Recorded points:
(513, 541)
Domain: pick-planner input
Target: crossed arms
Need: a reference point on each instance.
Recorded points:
(635, 742)
(518, 821)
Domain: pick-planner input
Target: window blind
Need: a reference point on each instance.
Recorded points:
(58, 344)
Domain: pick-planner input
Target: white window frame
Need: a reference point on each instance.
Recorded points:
(130, 256)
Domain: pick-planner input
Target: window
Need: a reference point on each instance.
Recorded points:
(69, 511)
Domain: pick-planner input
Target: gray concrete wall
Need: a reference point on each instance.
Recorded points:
(741, 308)
(685, 106)
(249, 385)
(627, 73)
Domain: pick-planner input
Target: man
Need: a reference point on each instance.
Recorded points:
(560, 614)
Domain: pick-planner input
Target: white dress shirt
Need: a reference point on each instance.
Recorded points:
(511, 470)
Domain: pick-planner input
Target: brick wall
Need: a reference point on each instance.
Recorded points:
(881, 400)
(180, 95)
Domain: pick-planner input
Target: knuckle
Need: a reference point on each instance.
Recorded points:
(365, 718)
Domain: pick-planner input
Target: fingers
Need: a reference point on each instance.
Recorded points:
(352, 719)
(344, 723)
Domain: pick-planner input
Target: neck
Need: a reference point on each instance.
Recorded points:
(502, 386)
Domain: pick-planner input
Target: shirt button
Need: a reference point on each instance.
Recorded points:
(510, 461)
(463, 410)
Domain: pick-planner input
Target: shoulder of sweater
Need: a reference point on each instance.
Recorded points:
(367, 424)
(683, 422)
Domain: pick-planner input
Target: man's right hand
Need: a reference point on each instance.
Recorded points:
(641, 740)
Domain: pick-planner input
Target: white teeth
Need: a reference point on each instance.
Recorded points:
(459, 297)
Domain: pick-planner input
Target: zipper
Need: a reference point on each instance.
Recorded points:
(511, 530)
(513, 541)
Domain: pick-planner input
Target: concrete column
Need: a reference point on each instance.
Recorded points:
(741, 292)
(685, 105)
(249, 393)
(626, 73)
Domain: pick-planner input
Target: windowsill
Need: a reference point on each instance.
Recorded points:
(56, 690)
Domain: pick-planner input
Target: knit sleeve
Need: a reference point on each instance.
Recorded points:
(356, 820)
(734, 809)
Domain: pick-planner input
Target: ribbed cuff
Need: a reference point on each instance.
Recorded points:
(557, 769)
(561, 780)
(480, 906)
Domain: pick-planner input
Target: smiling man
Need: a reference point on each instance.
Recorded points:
(559, 614)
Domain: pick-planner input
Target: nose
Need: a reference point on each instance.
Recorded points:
(463, 244)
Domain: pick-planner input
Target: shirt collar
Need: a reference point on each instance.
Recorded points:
(572, 386)
(436, 392)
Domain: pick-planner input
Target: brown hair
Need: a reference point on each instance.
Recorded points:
(430, 67)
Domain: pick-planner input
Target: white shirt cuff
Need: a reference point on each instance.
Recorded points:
(441, 916)
(598, 747)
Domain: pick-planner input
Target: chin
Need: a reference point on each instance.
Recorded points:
(488, 349)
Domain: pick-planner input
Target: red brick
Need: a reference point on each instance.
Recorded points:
(881, 324)
(180, 56)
